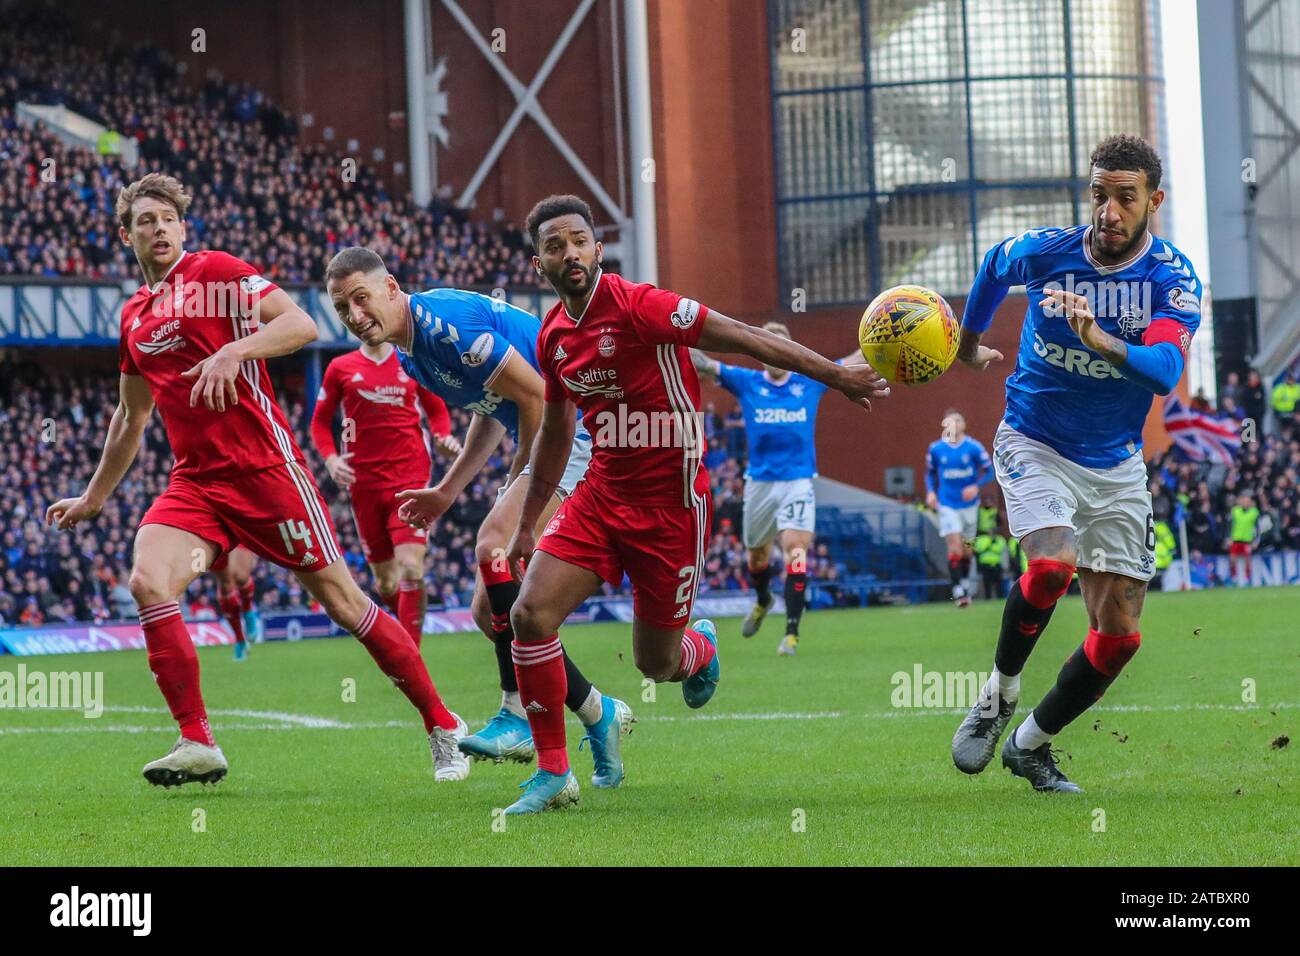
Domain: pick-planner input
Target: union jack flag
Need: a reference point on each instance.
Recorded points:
(1200, 436)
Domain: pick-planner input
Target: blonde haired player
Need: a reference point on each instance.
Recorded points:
(780, 409)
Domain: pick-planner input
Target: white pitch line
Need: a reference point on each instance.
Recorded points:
(288, 721)
(303, 720)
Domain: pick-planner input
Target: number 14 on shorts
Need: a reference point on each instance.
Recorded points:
(292, 531)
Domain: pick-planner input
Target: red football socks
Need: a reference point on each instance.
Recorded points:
(175, 666)
(410, 609)
(543, 685)
(397, 657)
(697, 653)
(232, 609)
(247, 595)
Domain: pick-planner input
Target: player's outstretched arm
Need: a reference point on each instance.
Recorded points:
(134, 406)
(421, 506)
(285, 329)
(860, 383)
(706, 367)
(550, 456)
(519, 382)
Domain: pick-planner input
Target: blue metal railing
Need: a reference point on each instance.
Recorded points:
(79, 312)
(878, 553)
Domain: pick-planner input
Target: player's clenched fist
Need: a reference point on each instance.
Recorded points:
(422, 506)
(67, 512)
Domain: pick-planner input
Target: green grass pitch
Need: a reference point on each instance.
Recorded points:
(795, 761)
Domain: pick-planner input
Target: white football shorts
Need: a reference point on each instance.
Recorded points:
(963, 521)
(574, 471)
(1108, 508)
(775, 506)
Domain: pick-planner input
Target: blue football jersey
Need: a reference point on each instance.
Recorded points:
(462, 340)
(950, 468)
(1062, 393)
(780, 422)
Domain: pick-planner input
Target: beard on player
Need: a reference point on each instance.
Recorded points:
(572, 278)
(1112, 240)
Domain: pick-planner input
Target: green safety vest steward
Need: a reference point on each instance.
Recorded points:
(989, 549)
(1164, 545)
(1019, 560)
(1285, 397)
(108, 143)
(992, 554)
(988, 520)
(1244, 521)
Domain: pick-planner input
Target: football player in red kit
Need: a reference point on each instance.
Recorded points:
(234, 573)
(619, 351)
(383, 453)
(193, 341)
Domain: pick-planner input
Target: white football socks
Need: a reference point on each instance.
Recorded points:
(511, 702)
(1029, 736)
(1007, 686)
(591, 710)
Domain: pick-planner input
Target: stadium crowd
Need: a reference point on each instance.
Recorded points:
(51, 429)
(1264, 476)
(285, 205)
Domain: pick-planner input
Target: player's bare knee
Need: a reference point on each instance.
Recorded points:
(526, 622)
(491, 546)
(148, 586)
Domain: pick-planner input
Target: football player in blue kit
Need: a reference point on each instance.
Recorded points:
(780, 409)
(1111, 314)
(956, 467)
(480, 353)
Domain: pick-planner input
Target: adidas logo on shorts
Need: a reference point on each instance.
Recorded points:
(309, 559)
(681, 612)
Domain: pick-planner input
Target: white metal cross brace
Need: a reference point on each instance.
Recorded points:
(526, 98)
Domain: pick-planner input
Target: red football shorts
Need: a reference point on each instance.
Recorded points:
(660, 548)
(375, 512)
(277, 513)
(1239, 549)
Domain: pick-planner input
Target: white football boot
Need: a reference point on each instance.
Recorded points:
(449, 763)
(187, 762)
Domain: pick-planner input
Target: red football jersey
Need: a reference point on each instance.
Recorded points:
(625, 363)
(381, 420)
(204, 302)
